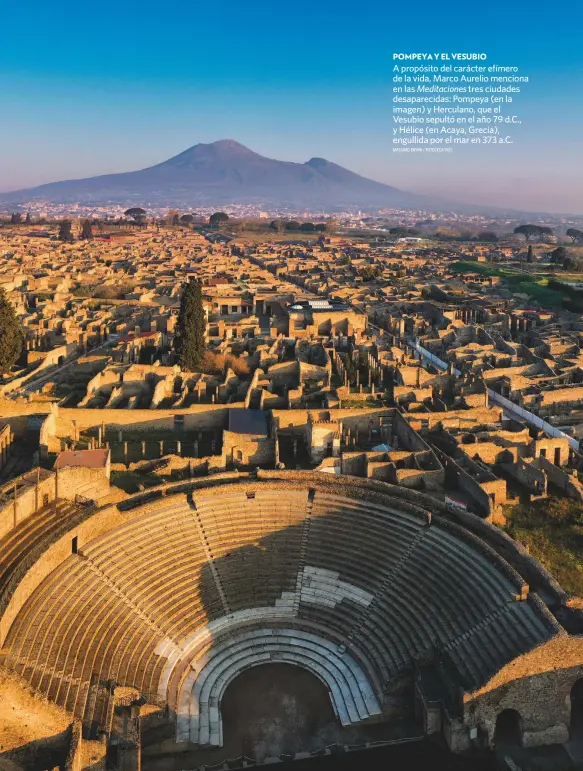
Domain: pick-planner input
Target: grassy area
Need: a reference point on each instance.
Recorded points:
(362, 404)
(553, 531)
(536, 286)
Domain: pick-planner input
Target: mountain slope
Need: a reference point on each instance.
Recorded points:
(226, 172)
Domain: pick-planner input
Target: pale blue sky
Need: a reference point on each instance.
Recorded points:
(91, 89)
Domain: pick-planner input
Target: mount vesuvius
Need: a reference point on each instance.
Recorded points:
(226, 172)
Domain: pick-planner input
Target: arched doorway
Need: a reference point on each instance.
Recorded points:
(576, 725)
(508, 732)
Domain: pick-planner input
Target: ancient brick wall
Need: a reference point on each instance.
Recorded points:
(248, 450)
(538, 686)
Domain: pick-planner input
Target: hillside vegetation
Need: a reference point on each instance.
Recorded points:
(552, 529)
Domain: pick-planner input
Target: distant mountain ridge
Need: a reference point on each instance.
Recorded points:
(226, 172)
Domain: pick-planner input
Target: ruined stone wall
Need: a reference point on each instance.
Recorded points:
(87, 482)
(538, 686)
(197, 417)
(248, 450)
(284, 373)
(419, 479)
(384, 471)
(354, 463)
(571, 396)
(497, 489)
(50, 359)
(491, 453)
(18, 424)
(321, 440)
(463, 418)
(549, 446)
(458, 477)
(528, 475)
(568, 483)
(408, 393)
(33, 732)
(297, 420)
(407, 436)
(47, 433)
(28, 500)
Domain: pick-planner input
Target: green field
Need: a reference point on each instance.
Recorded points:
(534, 285)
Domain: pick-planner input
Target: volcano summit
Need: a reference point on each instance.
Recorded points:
(226, 172)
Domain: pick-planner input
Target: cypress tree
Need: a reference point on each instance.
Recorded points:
(11, 336)
(65, 232)
(189, 342)
(86, 230)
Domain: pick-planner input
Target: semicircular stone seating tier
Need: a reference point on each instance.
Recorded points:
(199, 703)
(377, 580)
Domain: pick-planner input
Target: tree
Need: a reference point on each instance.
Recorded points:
(11, 335)
(86, 230)
(187, 219)
(136, 214)
(16, 218)
(27, 219)
(292, 225)
(189, 342)
(544, 232)
(65, 232)
(529, 254)
(573, 264)
(488, 235)
(528, 231)
(559, 255)
(307, 227)
(533, 231)
(575, 234)
(218, 217)
(404, 232)
(370, 273)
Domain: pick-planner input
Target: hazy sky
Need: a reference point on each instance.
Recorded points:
(88, 89)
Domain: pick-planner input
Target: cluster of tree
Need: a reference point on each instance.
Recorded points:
(105, 292)
(575, 235)
(404, 232)
(574, 264)
(137, 215)
(562, 256)
(218, 218)
(530, 232)
(16, 218)
(559, 255)
(11, 335)
(487, 235)
(298, 227)
(369, 273)
(216, 364)
(189, 342)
